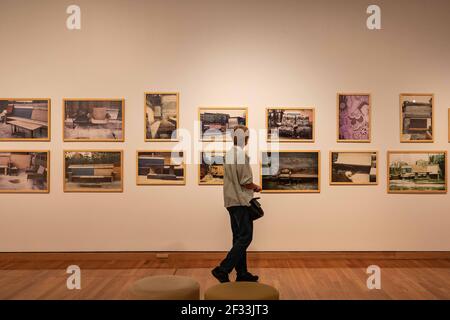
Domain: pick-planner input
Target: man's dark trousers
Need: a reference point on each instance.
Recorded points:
(242, 227)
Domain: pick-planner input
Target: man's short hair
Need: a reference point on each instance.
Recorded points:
(240, 134)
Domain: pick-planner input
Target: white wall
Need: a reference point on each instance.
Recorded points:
(226, 52)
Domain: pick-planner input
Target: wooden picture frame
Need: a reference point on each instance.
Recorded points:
(312, 110)
(177, 117)
(87, 120)
(406, 171)
(367, 165)
(419, 127)
(448, 125)
(317, 190)
(161, 182)
(35, 122)
(106, 173)
(199, 176)
(32, 173)
(367, 131)
(224, 136)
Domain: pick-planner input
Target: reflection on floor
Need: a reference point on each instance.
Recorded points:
(315, 278)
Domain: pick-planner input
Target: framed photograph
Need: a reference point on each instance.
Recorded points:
(24, 171)
(94, 120)
(290, 124)
(160, 168)
(417, 171)
(211, 168)
(161, 116)
(353, 168)
(416, 117)
(354, 117)
(290, 171)
(93, 171)
(25, 119)
(217, 123)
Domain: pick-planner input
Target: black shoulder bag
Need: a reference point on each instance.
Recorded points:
(256, 210)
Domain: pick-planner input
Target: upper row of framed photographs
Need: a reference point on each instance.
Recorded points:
(102, 120)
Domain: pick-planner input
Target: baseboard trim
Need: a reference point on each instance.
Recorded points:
(214, 255)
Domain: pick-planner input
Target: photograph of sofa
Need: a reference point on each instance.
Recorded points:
(290, 124)
(216, 123)
(93, 171)
(94, 120)
(290, 171)
(25, 119)
(160, 168)
(416, 117)
(24, 171)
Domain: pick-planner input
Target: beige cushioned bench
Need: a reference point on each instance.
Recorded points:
(242, 291)
(165, 288)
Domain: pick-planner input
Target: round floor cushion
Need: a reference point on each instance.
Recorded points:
(165, 288)
(242, 291)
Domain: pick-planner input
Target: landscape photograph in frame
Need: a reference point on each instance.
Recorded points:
(161, 116)
(353, 167)
(211, 168)
(216, 123)
(24, 171)
(25, 119)
(416, 117)
(92, 120)
(354, 117)
(290, 172)
(286, 124)
(93, 171)
(417, 171)
(160, 168)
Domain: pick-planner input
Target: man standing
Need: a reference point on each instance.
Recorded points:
(238, 189)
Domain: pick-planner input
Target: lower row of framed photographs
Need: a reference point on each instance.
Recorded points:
(280, 171)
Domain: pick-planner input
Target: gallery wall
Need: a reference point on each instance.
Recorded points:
(250, 53)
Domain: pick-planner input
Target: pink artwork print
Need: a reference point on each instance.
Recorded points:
(354, 117)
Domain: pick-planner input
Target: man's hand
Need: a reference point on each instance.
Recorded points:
(253, 187)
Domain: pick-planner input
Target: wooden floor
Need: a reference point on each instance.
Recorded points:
(31, 276)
